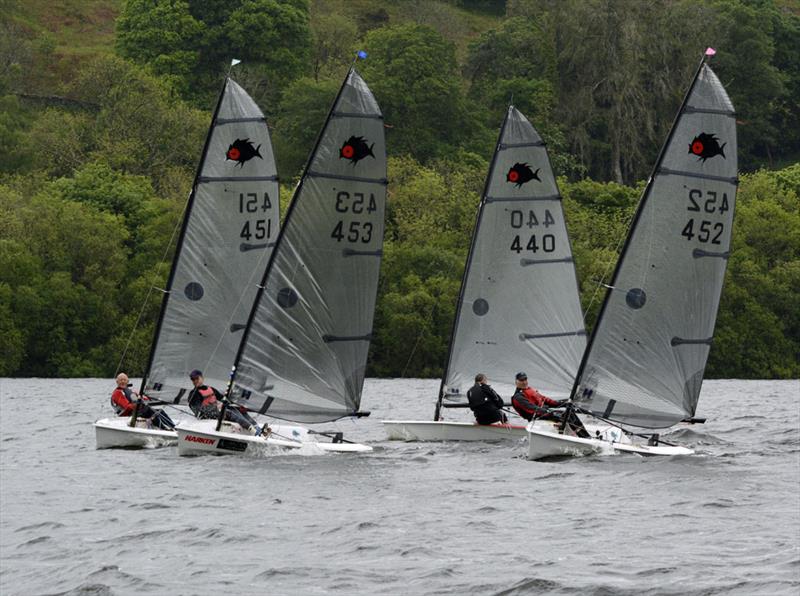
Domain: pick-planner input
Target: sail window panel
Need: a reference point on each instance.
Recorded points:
(230, 229)
(306, 349)
(520, 306)
(651, 344)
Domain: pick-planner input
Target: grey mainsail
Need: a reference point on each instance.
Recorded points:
(645, 361)
(304, 352)
(229, 229)
(519, 308)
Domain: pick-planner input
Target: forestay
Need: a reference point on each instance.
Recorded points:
(645, 362)
(305, 350)
(519, 308)
(229, 229)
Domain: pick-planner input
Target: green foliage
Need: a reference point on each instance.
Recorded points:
(413, 73)
(750, 50)
(192, 42)
(758, 329)
(97, 154)
(162, 34)
(303, 110)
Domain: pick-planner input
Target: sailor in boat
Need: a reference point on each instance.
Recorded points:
(529, 403)
(206, 402)
(484, 402)
(124, 404)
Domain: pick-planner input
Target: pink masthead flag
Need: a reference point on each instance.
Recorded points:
(710, 51)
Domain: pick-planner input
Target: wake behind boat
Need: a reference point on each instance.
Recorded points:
(646, 357)
(518, 307)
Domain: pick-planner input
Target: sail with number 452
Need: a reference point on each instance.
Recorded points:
(304, 352)
(645, 360)
(228, 232)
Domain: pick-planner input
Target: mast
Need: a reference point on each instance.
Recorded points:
(184, 225)
(465, 275)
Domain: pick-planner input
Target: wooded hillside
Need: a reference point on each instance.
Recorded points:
(104, 105)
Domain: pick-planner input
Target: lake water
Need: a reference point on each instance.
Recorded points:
(409, 518)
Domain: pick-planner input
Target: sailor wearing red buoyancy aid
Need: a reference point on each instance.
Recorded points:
(529, 403)
(123, 403)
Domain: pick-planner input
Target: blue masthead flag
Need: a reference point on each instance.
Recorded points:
(362, 54)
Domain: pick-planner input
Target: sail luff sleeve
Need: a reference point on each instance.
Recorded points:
(520, 306)
(306, 347)
(646, 362)
(230, 228)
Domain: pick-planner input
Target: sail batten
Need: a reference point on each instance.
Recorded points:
(304, 351)
(520, 226)
(230, 222)
(647, 354)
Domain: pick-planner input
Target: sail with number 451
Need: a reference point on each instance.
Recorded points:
(229, 229)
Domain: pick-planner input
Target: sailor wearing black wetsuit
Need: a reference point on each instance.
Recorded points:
(484, 402)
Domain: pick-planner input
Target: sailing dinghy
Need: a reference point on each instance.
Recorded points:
(644, 363)
(304, 351)
(227, 235)
(518, 307)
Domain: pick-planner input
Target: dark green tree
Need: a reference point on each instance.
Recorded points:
(413, 73)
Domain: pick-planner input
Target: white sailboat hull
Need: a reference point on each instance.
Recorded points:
(545, 441)
(429, 430)
(116, 433)
(201, 437)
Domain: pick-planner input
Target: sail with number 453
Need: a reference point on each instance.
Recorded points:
(229, 228)
(304, 353)
(645, 360)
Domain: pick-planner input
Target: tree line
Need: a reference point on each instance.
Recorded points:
(94, 172)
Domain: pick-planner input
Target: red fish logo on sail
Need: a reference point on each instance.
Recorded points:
(705, 146)
(242, 150)
(355, 149)
(520, 173)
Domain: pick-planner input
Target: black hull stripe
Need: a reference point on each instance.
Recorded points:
(512, 199)
(382, 181)
(733, 180)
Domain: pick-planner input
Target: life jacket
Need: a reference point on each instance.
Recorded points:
(118, 408)
(529, 402)
(208, 396)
